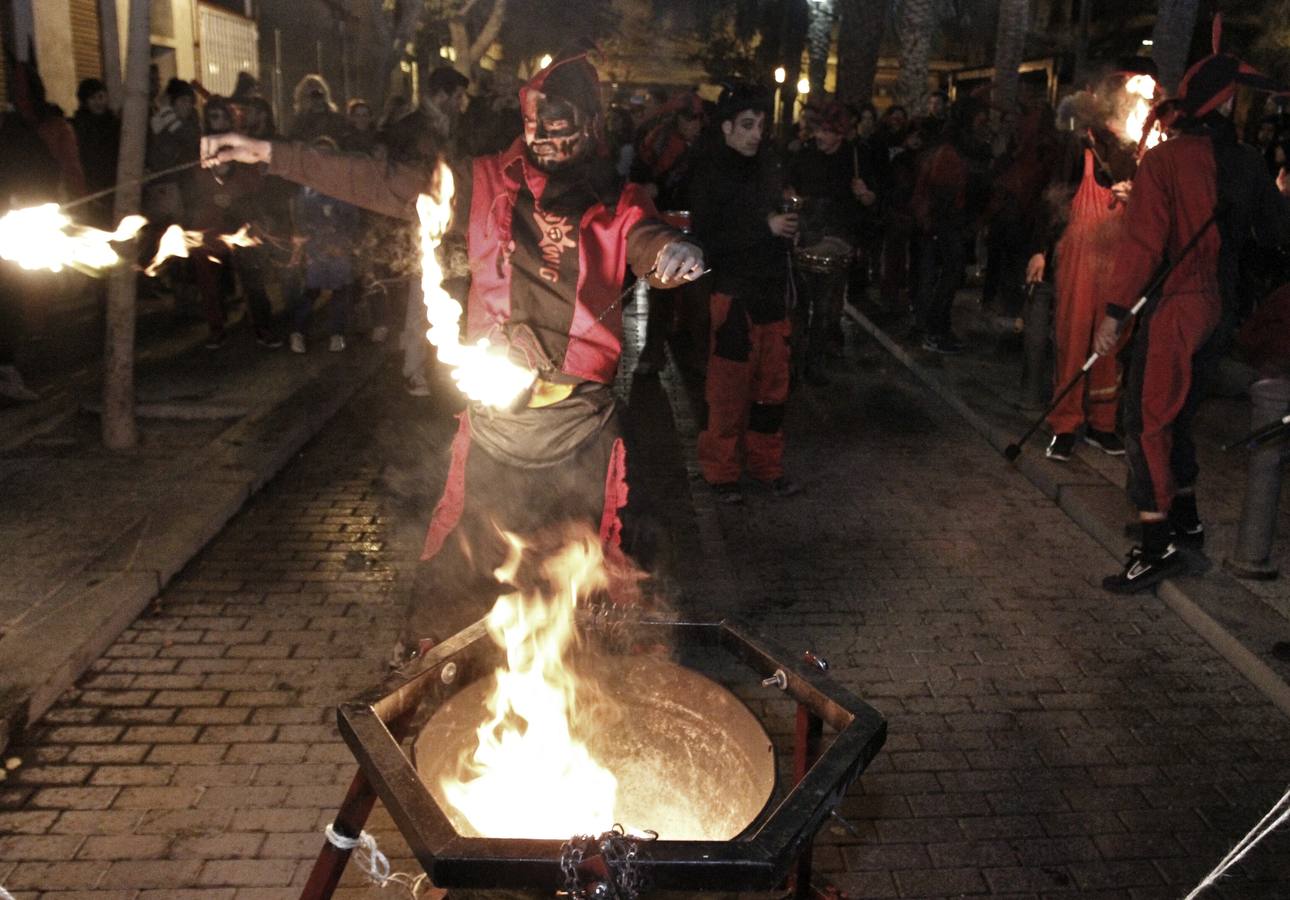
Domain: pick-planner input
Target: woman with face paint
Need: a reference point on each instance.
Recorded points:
(550, 233)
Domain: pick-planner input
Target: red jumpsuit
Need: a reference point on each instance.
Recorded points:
(1084, 260)
(1174, 194)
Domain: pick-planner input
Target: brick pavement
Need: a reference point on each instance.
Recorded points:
(1044, 740)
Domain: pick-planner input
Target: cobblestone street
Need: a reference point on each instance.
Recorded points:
(1044, 739)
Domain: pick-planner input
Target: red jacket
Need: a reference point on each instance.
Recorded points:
(629, 231)
(1174, 194)
(609, 238)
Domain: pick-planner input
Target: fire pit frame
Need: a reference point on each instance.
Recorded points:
(373, 726)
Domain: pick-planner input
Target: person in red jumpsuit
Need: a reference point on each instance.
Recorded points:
(1202, 185)
(1084, 255)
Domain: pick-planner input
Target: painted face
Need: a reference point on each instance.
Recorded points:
(743, 133)
(554, 131)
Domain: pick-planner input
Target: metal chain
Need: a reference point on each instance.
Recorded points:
(621, 855)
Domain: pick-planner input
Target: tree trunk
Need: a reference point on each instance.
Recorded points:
(1009, 50)
(859, 44)
(915, 48)
(819, 40)
(119, 430)
(1171, 40)
(471, 50)
(1081, 40)
(794, 32)
(110, 44)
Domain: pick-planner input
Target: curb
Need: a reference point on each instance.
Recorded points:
(1219, 608)
(92, 610)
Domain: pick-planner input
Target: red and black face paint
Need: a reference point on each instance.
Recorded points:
(555, 131)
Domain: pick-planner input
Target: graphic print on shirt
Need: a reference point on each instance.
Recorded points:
(554, 239)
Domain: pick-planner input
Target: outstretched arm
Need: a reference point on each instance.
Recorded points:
(391, 190)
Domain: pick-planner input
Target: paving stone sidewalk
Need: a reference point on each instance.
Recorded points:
(91, 536)
(1245, 619)
(1045, 742)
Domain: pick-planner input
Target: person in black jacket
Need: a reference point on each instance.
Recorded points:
(735, 197)
(98, 136)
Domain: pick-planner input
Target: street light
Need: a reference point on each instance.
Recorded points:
(780, 74)
(803, 86)
(544, 61)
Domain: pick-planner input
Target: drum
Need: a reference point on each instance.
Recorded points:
(679, 219)
(829, 255)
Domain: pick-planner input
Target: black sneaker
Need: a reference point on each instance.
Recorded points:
(268, 340)
(1106, 441)
(1061, 447)
(1142, 570)
(728, 493)
(1191, 536)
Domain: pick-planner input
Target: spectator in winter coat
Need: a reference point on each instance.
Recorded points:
(220, 202)
(98, 138)
(329, 229)
(315, 113)
(173, 138)
(949, 198)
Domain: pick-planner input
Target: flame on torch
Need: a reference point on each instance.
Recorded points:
(1141, 91)
(43, 237)
(240, 238)
(482, 372)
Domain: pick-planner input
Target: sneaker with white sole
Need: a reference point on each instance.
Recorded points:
(1061, 447)
(297, 342)
(336, 344)
(1143, 570)
(1107, 441)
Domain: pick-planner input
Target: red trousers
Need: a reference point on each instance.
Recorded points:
(1162, 396)
(746, 389)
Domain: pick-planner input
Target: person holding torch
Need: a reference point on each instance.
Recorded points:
(549, 232)
(1197, 199)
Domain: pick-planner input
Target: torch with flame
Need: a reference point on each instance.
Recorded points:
(482, 372)
(176, 242)
(1140, 92)
(531, 774)
(44, 238)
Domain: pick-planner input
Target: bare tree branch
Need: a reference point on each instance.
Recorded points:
(488, 33)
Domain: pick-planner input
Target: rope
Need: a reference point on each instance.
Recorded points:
(1280, 810)
(376, 864)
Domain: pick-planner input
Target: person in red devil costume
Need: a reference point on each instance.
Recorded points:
(1091, 185)
(1202, 185)
(550, 233)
